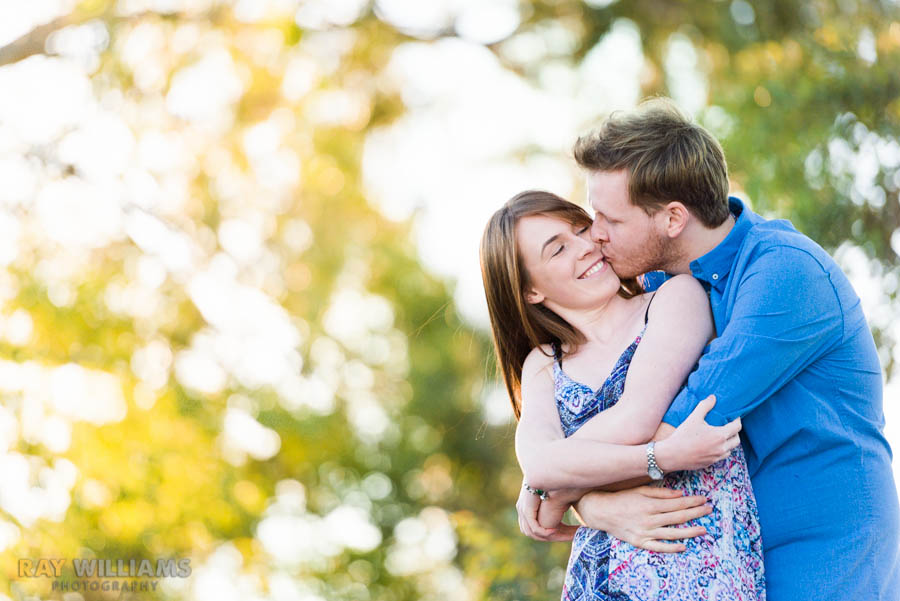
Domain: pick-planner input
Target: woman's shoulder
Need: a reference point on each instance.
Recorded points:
(677, 293)
(680, 286)
(540, 357)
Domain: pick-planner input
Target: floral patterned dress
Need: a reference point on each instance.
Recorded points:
(723, 565)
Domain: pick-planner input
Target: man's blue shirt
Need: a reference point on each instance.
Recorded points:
(795, 360)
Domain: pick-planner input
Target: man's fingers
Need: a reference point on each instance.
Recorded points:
(676, 518)
(660, 492)
(661, 547)
(677, 533)
(564, 532)
(677, 504)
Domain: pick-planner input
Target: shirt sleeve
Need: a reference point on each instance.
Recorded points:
(652, 280)
(786, 315)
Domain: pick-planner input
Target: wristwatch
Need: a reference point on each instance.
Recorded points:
(653, 469)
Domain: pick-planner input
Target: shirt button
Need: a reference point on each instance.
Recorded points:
(715, 276)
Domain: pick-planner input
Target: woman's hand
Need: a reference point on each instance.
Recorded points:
(695, 444)
(532, 511)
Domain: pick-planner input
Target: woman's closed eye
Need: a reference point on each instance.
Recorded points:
(562, 247)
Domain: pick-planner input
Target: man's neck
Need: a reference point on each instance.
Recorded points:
(696, 241)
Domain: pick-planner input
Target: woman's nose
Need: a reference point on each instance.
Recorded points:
(586, 247)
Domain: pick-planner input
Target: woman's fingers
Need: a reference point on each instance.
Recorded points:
(523, 526)
(527, 508)
(732, 428)
(540, 531)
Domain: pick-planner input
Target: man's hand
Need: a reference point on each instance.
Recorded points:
(528, 506)
(644, 516)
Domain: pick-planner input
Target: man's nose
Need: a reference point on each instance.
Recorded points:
(598, 232)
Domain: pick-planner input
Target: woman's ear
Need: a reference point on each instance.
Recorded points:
(533, 297)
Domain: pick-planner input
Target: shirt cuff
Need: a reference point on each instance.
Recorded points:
(680, 408)
(684, 404)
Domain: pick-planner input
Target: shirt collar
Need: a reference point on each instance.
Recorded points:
(713, 267)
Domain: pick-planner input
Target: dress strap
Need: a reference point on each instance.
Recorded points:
(557, 352)
(647, 312)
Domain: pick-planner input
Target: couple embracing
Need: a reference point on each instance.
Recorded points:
(698, 382)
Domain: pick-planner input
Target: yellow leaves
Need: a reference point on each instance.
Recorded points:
(893, 109)
(769, 59)
(94, 494)
(155, 477)
(325, 176)
(829, 37)
(793, 54)
(888, 39)
(297, 276)
(717, 55)
(249, 496)
(762, 97)
(435, 479)
(127, 519)
(198, 536)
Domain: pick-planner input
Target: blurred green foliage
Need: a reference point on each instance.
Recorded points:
(794, 89)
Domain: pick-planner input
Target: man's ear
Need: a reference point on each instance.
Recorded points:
(533, 297)
(676, 217)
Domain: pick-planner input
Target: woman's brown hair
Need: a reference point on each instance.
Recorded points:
(517, 325)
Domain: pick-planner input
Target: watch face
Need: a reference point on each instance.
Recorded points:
(655, 473)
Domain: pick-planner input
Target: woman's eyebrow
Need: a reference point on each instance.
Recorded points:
(548, 243)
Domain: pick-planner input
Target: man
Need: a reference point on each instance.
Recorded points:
(794, 359)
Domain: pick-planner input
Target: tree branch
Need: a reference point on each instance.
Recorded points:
(34, 41)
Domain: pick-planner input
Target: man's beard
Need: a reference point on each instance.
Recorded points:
(658, 253)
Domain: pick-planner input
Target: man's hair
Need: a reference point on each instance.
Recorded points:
(667, 156)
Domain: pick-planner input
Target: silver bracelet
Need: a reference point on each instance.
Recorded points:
(536, 491)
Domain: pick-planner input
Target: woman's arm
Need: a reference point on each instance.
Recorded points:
(680, 325)
(547, 458)
(550, 461)
(539, 425)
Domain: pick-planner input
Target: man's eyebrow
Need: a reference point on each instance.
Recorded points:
(548, 243)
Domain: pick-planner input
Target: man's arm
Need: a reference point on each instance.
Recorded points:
(644, 516)
(786, 315)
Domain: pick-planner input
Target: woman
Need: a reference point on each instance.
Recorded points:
(590, 364)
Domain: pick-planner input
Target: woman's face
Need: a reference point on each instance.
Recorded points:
(565, 267)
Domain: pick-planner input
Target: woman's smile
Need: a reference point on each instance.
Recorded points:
(595, 268)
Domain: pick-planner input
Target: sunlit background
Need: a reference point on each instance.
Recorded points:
(241, 316)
